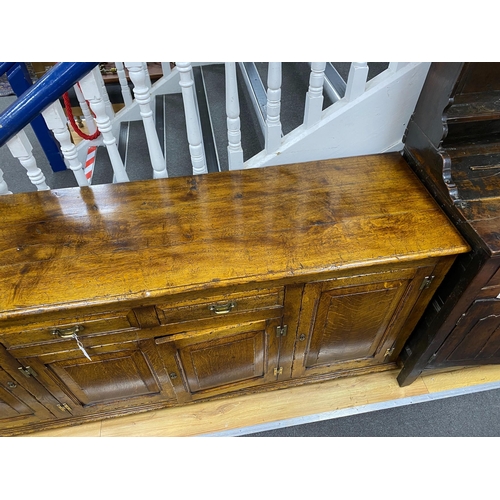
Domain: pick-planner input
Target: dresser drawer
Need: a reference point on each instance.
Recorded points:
(217, 310)
(53, 332)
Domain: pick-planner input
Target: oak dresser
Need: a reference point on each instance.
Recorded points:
(125, 298)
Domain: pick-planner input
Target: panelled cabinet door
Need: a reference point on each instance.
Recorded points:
(227, 359)
(117, 376)
(17, 406)
(476, 336)
(354, 322)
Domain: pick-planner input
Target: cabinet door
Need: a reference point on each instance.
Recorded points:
(355, 322)
(475, 338)
(120, 375)
(210, 362)
(17, 406)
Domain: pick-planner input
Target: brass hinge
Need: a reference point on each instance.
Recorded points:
(389, 352)
(426, 283)
(28, 371)
(281, 331)
(64, 407)
(278, 371)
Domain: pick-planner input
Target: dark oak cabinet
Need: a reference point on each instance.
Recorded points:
(453, 144)
(211, 286)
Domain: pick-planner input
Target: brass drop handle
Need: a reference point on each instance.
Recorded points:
(71, 333)
(222, 308)
(67, 333)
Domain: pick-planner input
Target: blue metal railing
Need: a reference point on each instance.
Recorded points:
(42, 94)
(20, 80)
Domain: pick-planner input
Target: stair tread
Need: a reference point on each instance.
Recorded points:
(178, 157)
(251, 143)
(138, 162)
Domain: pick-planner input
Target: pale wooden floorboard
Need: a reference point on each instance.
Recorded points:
(92, 429)
(457, 379)
(255, 409)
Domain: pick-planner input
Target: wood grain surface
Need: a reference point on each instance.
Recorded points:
(139, 240)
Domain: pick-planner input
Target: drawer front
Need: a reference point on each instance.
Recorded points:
(218, 310)
(44, 333)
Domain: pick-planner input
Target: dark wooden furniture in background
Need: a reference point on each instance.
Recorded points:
(453, 144)
(123, 298)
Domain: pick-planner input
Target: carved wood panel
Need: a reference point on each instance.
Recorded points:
(223, 360)
(116, 376)
(476, 335)
(354, 323)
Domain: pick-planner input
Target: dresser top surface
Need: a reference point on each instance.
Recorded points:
(108, 243)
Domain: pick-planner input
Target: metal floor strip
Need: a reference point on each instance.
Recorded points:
(346, 412)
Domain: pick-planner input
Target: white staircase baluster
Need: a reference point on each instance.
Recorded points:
(146, 71)
(166, 69)
(21, 148)
(57, 122)
(314, 96)
(142, 95)
(356, 80)
(104, 93)
(91, 90)
(396, 66)
(89, 119)
(193, 126)
(234, 150)
(273, 123)
(4, 189)
(122, 77)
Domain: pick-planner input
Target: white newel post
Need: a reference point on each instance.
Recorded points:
(89, 119)
(234, 150)
(91, 91)
(21, 148)
(122, 78)
(314, 96)
(193, 126)
(57, 122)
(273, 123)
(4, 189)
(143, 97)
(356, 80)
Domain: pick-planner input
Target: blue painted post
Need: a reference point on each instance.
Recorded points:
(20, 81)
